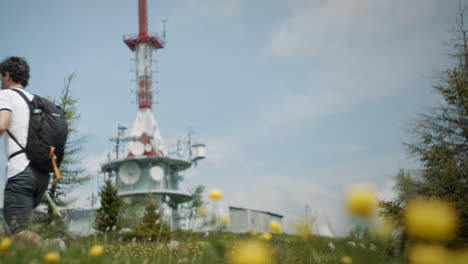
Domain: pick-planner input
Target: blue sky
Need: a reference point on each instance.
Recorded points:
(294, 99)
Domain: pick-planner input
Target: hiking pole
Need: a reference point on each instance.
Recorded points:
(53, 205)
(59, 176)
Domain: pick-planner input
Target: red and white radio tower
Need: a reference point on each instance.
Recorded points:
(145, 127)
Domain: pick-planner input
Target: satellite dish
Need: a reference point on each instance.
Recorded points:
(148, 147)
(156, 173)
(137, 148)
(129, 172)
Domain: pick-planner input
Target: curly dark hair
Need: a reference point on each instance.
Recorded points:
(18, 69)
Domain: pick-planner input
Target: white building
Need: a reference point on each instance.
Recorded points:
(244, 220)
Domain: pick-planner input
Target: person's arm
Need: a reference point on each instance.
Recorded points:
(5, 118)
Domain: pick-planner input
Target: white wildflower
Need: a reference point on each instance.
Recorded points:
(331, 246)
(173, 245)
(351, 244)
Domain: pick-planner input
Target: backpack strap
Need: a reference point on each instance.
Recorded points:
(24, 97)
(16, 141)
(10, 134)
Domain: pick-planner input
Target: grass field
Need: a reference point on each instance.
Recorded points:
(196, 248)
(430, 225)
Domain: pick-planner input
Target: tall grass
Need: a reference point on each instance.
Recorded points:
(196, 248)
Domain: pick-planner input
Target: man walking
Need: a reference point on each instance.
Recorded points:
(26, 185)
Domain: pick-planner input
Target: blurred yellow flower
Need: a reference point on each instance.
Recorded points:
(254, 233)
(52, 257)
(346, 260)
(96, 251)
(427, 254)
(360, 199)
(251, 252)
(275, 226)
(5, 244)
(215, 194)
(431, 219)
(266, 236)
(459, 256)
(303, 227)
(224, 219)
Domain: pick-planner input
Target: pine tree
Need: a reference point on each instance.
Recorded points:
(407, 187)
(106, 218)
(195, 203)
(71, 169)
(442, 136)
(152, 224)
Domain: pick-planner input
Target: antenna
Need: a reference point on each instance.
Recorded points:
(180, 151)
(143, 44)
(189, 142)
(164, 31)
(120, 133)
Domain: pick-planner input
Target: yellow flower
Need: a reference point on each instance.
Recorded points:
(224, 219)
(427, 254)
(215, 194)
(431, 219)
(346, 260)
(5, 244)
(303, 227)
(266, 236)
(254, 233)
(459, 256)
(275, 226)
(52, 257)
(96, 251)
(251, 252)
(360, 199)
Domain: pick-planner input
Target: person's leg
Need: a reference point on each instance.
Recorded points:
(18, 200)
(42, 183)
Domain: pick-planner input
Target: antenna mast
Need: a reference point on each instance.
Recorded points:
(143, 44)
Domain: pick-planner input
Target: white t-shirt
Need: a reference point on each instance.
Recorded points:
(19, 125)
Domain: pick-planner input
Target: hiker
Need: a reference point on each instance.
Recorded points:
(26, 184)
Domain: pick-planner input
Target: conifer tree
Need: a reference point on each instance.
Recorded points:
(71, 169)
(442, 137)
(106, 218)
(153, 224)
(193, 205)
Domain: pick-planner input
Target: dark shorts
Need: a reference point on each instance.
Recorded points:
(23, 193)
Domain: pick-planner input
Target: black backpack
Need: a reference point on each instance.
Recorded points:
(47, 134)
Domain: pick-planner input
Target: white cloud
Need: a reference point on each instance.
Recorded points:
(92, 162)
(290, 106)
(374, 169)
(365, 48)
(324, 26)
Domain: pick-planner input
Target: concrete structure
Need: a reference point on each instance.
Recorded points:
(244, 220)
